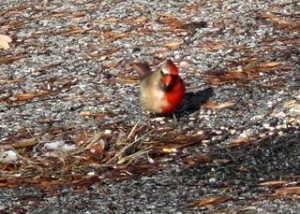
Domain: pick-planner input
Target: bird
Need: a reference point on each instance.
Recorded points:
(161, 91)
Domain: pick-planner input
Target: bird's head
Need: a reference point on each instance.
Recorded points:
(169, 72)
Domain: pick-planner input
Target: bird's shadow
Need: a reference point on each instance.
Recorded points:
(193, 100)
(191, 103)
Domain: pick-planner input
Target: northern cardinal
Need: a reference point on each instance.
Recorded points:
(161, 91)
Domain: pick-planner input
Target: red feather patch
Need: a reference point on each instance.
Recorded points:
(172, 67)
(174, 97)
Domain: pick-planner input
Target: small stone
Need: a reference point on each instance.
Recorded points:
(270, 103)
(212, 180)
(107, 132)
(201, 132)
(91, 173)
(158, 119)
(246, 133)
(218, 132)
(192, 118)
(278, 127)
(271, 128)
(205, 141)
(262, 135)
(232, 131)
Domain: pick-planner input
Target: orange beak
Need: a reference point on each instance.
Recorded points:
(167, 80)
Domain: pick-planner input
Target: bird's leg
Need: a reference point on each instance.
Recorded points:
(175, 119)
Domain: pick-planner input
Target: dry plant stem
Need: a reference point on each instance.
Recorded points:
(121, 152)
(96, 138)
(130, 158)
(132, 130)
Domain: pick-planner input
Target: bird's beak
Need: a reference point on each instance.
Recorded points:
(167, 80)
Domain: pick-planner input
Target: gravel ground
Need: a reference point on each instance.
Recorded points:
(68, 72)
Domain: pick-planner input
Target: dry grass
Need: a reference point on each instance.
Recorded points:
(97, 154)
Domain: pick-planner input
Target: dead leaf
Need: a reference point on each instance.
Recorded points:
(86, 114)
(29, 96)
(288, 191)
(169, 150)
(46, 67)
(215, 105)
(240, 141)
(213, 45)
(141, 20)
(228, 77)
(127, 80)
(210, 201)
(280, 20)
(192, 26)
(293, 106)
(3, 99)
(9, 59)
(173, 44)
(244, 169)
(96, 151)
(272, 183)
(271, 64)
(99, 115)
(136, 21)
(159, 52)
(144, 31)
(82, 138)
(4, 41)
(104, 54)
(111, 20)
(25, 143)
(170, 20)
(12, 81)
(116, 35)
(194, 161)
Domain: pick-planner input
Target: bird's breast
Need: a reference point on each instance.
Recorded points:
(174, 96)
(153, 99)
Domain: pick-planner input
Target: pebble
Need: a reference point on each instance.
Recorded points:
(91, 173)
(218, 132)
(158, 119)
(232, 131)
(247, 133)
(107, 132)
(212, 180)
